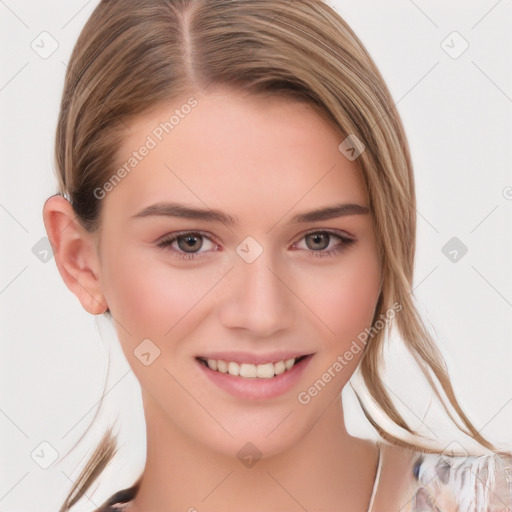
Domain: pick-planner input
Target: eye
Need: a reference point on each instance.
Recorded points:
(318, 241)
(188, 244)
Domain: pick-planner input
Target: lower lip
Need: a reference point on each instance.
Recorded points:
(256, 388)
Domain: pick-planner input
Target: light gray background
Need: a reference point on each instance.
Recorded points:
(458, 116)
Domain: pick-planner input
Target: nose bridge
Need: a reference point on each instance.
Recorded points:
(255, 298)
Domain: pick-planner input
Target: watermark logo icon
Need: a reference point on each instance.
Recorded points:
(146, 352)
(454, 449)
(351, 147)
(44, 455)
(454, 249)
(249, 250)
(42, 250)
(249, 455)
(454, 45)
(45, 45)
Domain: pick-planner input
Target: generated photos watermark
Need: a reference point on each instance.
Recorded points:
(152, 140)
(304, 397)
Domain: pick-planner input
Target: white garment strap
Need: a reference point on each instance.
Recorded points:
(377, 478)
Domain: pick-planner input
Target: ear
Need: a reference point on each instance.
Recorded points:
(75, 253)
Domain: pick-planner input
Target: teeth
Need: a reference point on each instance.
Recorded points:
(233, 368)
(265, 371)
(251, 371)
(222, 366)
(248, 370)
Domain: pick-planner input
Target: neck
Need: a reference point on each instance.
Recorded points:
(327, 470)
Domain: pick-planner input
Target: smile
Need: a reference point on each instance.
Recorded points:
(253, 377)
(249, 370)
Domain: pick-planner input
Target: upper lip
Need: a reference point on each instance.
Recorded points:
(251, 358)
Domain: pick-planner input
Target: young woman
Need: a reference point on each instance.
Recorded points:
(236, 192)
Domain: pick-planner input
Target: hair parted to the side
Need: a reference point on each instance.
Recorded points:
(133, 55)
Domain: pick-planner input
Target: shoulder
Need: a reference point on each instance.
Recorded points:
(451, 483)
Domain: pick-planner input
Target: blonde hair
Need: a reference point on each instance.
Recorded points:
(133, 55)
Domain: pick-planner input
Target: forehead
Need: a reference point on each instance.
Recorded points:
(244, 150)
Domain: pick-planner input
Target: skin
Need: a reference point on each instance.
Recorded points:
(263, 161)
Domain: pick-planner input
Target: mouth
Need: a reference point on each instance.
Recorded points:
(254, 377)
(269, 370)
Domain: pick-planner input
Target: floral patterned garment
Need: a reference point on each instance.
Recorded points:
(440, 484)
(463, 484)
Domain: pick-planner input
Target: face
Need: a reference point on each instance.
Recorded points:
(259, 284)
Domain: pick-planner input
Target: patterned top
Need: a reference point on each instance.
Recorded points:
(463, 484)
(439, 483)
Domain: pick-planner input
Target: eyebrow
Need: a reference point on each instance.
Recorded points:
(211, 215)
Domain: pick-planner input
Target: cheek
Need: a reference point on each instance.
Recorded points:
(142, 295)
(151, 299)
(346, 303)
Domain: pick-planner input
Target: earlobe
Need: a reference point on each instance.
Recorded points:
(74, 250)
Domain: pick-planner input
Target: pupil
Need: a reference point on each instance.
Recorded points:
(317, 238)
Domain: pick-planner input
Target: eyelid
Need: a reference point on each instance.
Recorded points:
(165, 241)
(333, 231)
(179, 234)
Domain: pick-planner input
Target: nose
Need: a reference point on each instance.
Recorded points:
(257, 297)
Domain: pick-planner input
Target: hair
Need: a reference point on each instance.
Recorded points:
(133, 56)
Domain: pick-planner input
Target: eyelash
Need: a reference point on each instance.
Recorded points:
(345, 243)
